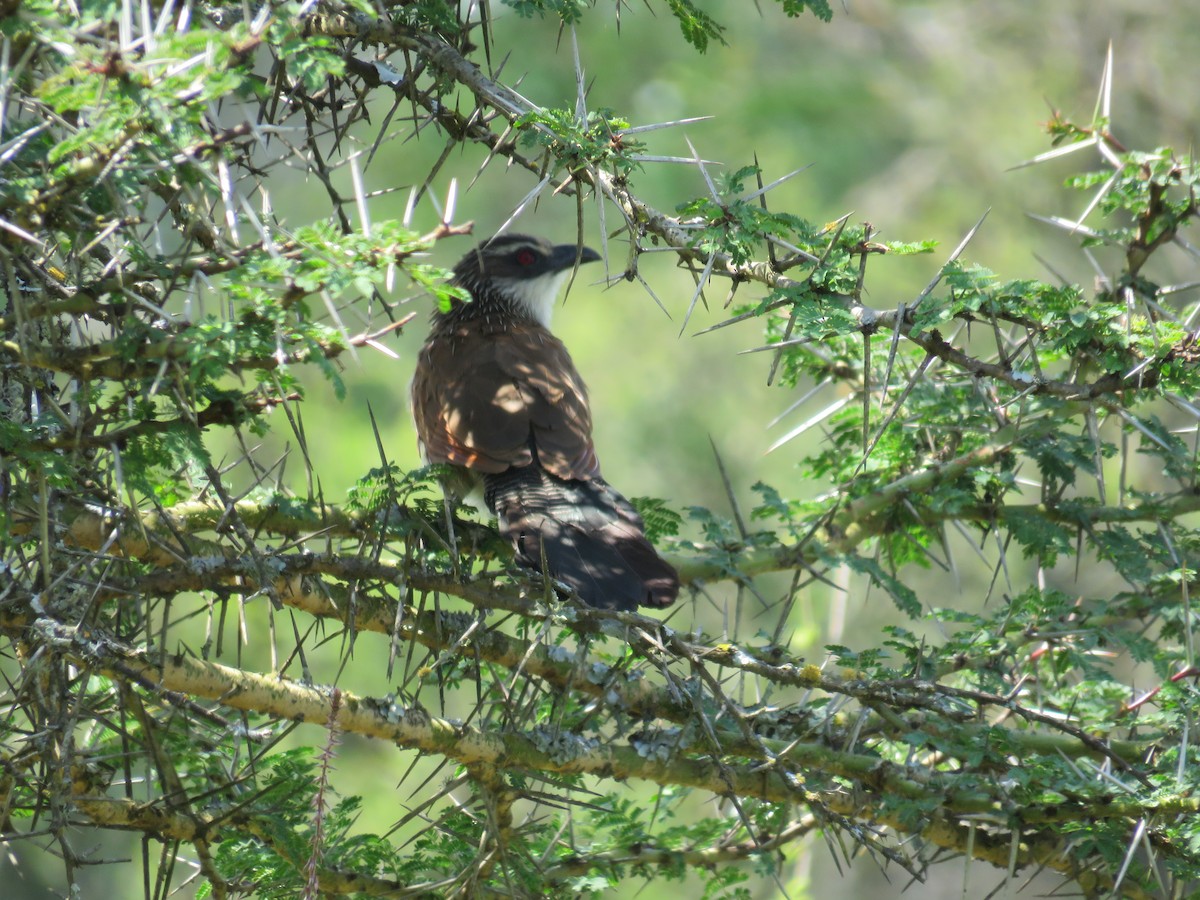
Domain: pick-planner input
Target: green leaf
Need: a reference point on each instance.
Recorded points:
(902, 595)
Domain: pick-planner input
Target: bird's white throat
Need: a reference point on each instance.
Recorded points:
(535, 295)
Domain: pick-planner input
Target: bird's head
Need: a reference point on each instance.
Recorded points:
(526, 272)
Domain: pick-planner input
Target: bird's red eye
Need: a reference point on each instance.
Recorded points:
(525, 257)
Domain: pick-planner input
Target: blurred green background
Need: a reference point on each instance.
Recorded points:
(910, 114)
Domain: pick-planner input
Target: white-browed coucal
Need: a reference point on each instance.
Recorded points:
(497, 394)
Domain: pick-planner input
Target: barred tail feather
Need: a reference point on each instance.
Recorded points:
(593, 538)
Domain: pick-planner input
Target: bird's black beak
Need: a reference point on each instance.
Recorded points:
(563, 256)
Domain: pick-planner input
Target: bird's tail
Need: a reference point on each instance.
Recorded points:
(592, 537)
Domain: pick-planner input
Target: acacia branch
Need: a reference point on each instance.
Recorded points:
(105, 360)
(165, 824)
(441, 631)
(414, 728)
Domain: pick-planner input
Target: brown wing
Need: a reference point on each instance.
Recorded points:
(480, 395)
